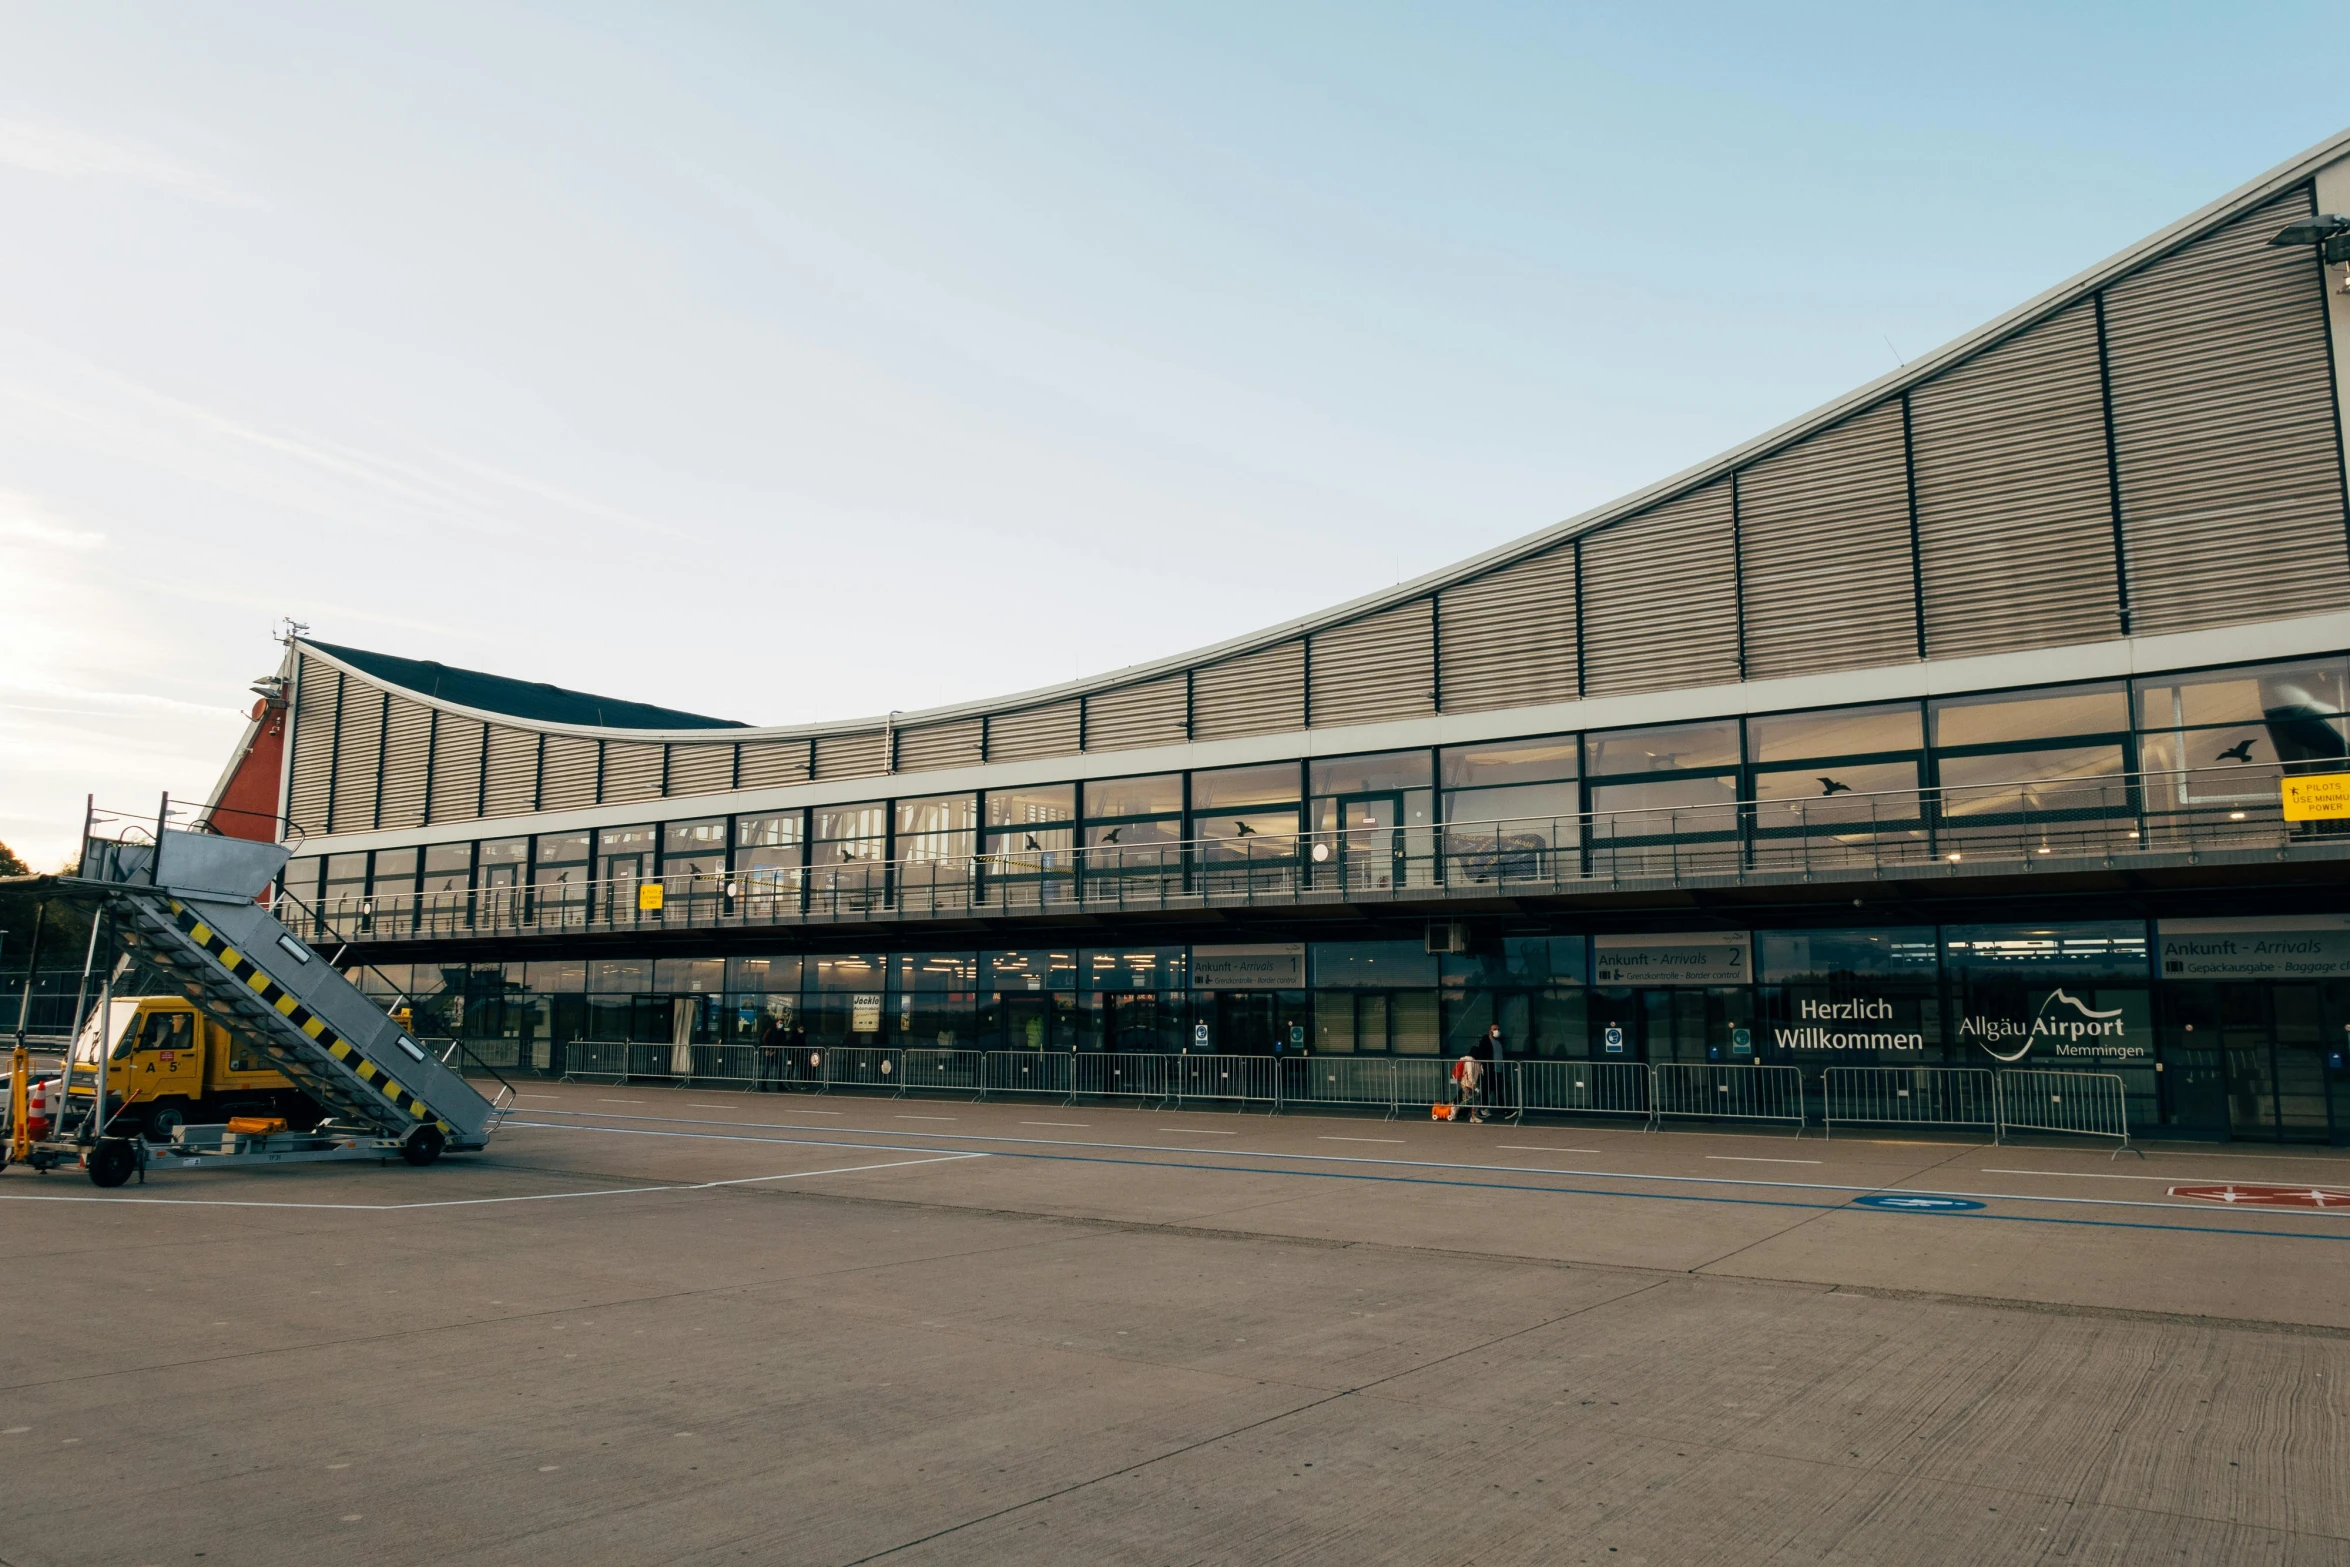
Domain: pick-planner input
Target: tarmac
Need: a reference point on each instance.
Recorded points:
(657, 1325)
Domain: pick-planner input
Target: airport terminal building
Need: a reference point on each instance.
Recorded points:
(1950, 724)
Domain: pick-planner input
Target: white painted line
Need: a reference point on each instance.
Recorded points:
(484, 1202)
(1194, 1131)
(696, 1104)
(1735, 1158)
(1056, 1123)
(930, 1118)
(2099, 1175)
(1395, 1140)
(624, 1101)
(1541, 1148)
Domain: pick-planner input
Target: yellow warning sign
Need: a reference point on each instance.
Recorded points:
(2319, 798)
(648, 897)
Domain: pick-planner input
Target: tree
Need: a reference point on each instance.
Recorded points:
(10, 865)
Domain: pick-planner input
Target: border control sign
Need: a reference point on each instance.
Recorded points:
(2319, 797)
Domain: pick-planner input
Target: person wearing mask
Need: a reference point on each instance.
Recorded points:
(1487, 1051)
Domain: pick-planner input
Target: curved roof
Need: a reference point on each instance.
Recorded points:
(531, 701)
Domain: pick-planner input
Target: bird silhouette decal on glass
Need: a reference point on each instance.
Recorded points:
(1243, 830)
(1112, 835)
(1831, 786)
(1028, 841)
(2241, 751)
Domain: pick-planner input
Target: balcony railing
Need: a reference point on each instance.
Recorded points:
(2030, 825)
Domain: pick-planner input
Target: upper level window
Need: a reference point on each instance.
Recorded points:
(448, 867)
(2021, 717)
(1529, 783)
(938, 827)
(1844, 731)
(1672, 748)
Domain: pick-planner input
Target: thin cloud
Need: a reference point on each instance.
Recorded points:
(64, 153)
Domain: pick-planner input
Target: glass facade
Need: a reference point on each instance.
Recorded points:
(2202, 1051)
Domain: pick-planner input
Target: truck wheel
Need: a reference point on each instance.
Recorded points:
(163, 1119)
(111, 1162)
(424, 1145)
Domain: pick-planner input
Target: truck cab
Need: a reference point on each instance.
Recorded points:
(168, 1065)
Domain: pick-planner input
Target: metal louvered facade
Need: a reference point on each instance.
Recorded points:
(567, 772)
(2227, 432)
(1376, 669)
(1825, 578)
(849, 756)
(632, 771)
(927, 746)
(513, 772)
(1508, 638)
(359, 758)
(1660, 600)
(701, 769)
(769, 763)
(1126, 717)
(311, 764)
(2015, 500)
(1033, 732)
(1258, 693)
(407, 751)
(456, 769)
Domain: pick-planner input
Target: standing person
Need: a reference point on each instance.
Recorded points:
(795, 1052)
(1465, 1074)
(774, 1045)
(1487, 1050)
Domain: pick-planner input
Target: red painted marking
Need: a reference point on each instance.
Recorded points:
(2240, 1195)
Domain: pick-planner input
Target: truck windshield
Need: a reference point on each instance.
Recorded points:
(118, 1020)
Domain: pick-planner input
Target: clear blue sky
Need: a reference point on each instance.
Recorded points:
(797, 362)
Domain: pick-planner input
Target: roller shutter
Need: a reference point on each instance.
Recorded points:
(700, 769)
(514, 772)
(1032, 733)
(1507, 639)
(1823, 543)
(456, 769)
(1659, 608)
(567, 777)
(849, 756)
(767, 763)
(2015, 516)
(1255, 694)
(1133, 716)
(358, 756)
(407, 759)
(632, 772)
(929, 746)
(1378, 668)
(315, 713)
(2226, 431)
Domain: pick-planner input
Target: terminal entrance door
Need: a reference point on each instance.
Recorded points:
(2273, 1039)
(1138, 1021)
(622, 873)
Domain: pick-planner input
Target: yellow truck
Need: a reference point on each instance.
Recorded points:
(168, 1066)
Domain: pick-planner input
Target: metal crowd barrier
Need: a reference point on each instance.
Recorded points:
(1028, 1072)
(2086, 1104)
(1346, 1080)
(945, 1071)
(1585, 1087)
(1909, 1096)
(1241, 1080)
(1735, 1093)
(1108, 1074)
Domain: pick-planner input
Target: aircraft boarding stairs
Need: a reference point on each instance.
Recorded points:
(184, 910)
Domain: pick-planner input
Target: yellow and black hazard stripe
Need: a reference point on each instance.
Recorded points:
(253, 978)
